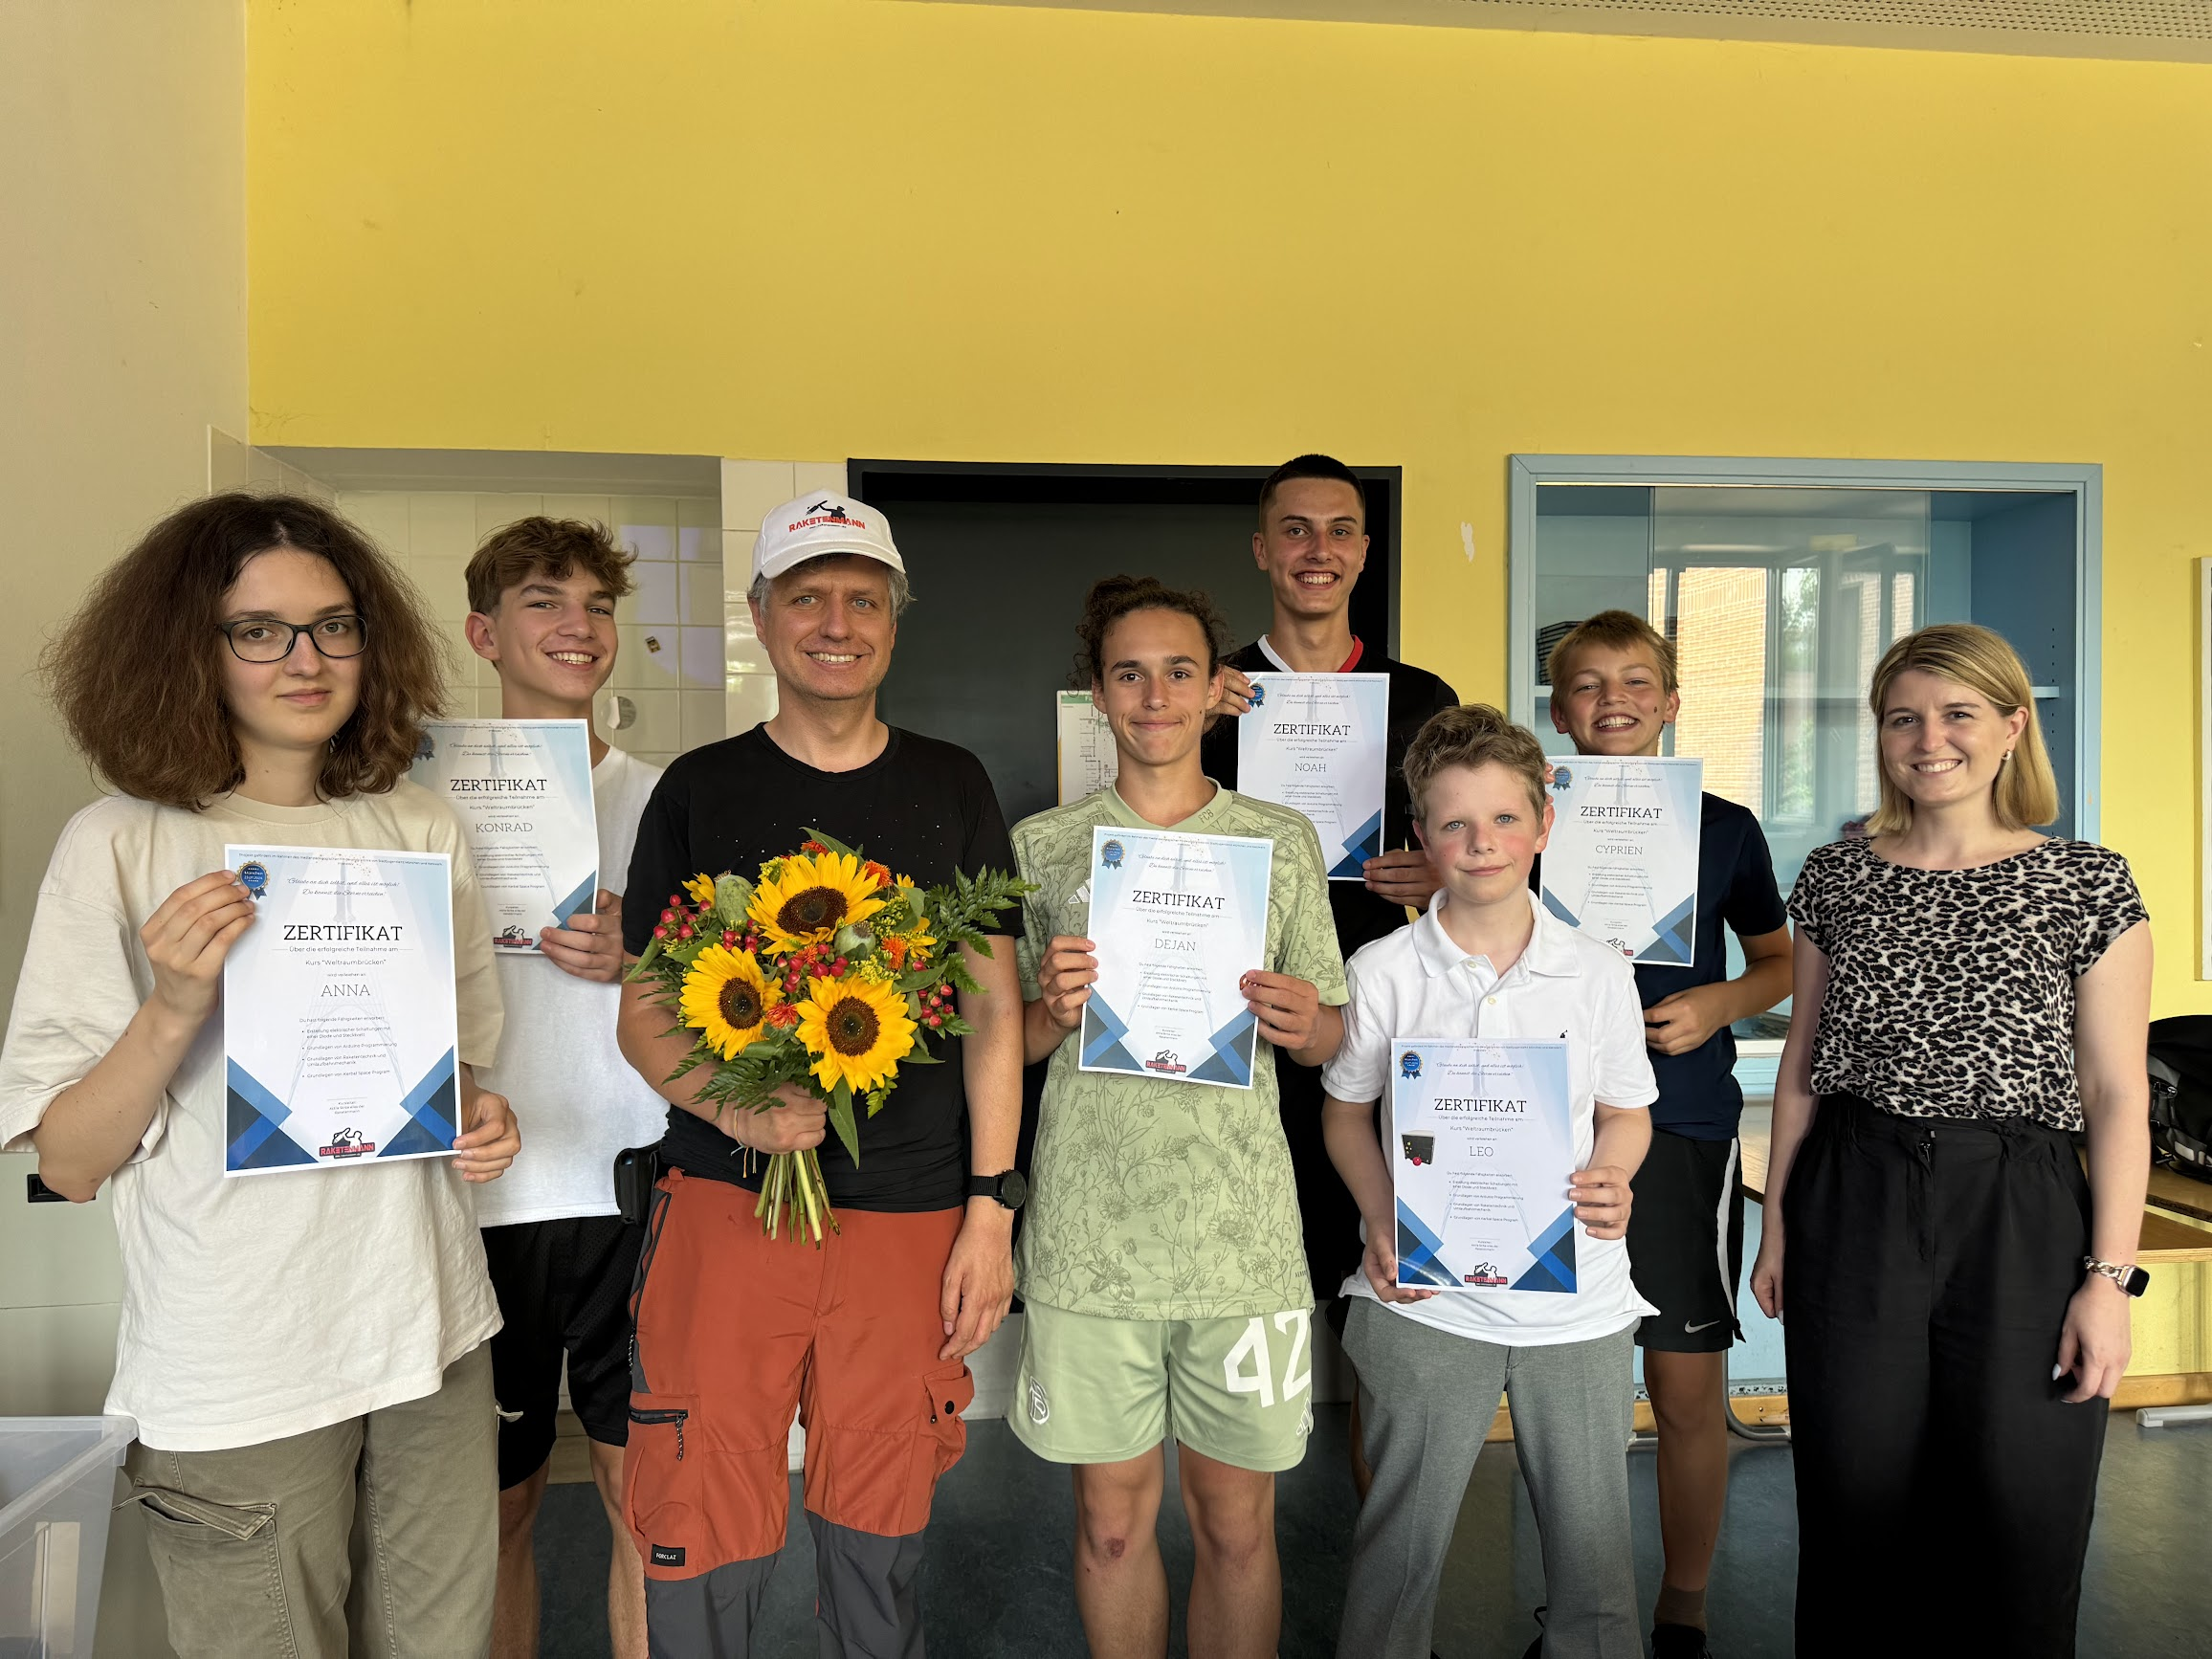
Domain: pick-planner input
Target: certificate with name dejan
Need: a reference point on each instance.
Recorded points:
(1178, 921)
(523, 792)
(339, 1042)
(1315, 743)
(1088, 760)
(1622, 861)
(1482, 1151)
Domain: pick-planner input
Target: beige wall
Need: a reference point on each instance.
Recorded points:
(122, 186)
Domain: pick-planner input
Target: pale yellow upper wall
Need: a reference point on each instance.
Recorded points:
(825, 227)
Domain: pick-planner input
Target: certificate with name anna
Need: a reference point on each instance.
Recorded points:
(1315, 743)
(523, 792)
(1178, 921)
(1482, 1148)
(1622, 862)
(339, 1040)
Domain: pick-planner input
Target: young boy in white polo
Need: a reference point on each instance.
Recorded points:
(542, 595)
(1485, 961)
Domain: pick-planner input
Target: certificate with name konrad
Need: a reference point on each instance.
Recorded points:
(1482, 1149)
(1315, 743)
(1178, 921)
(1622, 862)
(523, 792)
(339, 1041)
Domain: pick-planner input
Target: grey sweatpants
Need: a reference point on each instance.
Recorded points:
(1426, 1400)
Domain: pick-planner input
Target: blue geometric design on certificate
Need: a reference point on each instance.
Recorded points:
(255, 1138)
(582, 898)
(1232, 1054)
(1552, 904)
(427, 1129)
(1420, 1259)
(1554, 1266)
(1366, 844)
(1675, 945)
(1103, 1032)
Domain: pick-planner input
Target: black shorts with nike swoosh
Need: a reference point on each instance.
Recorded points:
(1686, 1243)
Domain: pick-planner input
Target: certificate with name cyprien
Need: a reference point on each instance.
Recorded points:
(1315, 743)
(1483, 1149)
(1178, 921)
(523, 792)
(1622, 862)
(339, 1040)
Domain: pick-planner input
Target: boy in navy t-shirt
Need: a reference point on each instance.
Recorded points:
(1614, 691)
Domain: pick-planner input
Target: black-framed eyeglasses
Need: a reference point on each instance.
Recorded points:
(264, 639)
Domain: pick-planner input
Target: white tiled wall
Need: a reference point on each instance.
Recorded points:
(749, 489)
(668, 671)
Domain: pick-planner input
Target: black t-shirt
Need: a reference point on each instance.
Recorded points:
(1700, 1098)
(1415, 693)
(923, 809)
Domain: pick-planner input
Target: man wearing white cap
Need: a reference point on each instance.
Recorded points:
(866, 1336)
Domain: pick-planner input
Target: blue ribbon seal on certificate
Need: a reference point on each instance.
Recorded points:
(1109, 854)
(1409, 1064)
(254, 877)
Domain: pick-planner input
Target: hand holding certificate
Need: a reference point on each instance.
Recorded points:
(1315, 743)
(1179, 923)
(1482, 1147)
(1622, 862)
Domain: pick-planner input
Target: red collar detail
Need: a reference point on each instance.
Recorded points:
(1353, 661)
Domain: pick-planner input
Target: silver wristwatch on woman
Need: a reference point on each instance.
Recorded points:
(2130, 1279)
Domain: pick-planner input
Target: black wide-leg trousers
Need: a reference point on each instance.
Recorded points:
(1944, 1488)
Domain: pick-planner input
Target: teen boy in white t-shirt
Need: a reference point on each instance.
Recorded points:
(1485, 961)
(542, 595)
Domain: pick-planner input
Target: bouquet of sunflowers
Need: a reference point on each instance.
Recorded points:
(828, 972)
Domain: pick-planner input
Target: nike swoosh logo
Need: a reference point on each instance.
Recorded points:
(1690, 1330)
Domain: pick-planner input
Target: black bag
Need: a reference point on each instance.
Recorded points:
(2181, 1093)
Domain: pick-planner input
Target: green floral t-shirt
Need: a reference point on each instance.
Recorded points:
(1152, 1198)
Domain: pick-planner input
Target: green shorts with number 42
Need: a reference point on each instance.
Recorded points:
(1092, 1389)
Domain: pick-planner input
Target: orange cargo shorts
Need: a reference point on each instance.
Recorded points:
(735, 1330)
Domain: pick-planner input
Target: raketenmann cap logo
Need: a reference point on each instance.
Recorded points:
(826, 513)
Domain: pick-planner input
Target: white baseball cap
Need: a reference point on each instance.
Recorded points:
(809, 527)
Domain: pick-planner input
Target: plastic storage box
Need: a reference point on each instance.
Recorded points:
(56, 1490)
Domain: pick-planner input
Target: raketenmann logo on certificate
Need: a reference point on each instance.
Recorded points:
(339, 1042)
(1482, 1147)
(1178, 920)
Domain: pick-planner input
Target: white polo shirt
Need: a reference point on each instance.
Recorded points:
(1417, 983)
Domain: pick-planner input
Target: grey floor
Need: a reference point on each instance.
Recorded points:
(997, 1579)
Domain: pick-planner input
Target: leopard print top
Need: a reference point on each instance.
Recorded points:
(1950, 992)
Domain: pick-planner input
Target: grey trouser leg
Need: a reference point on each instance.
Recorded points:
(1426, 1399)
(867, 1592)
(1573, 1404)
(709, 1617)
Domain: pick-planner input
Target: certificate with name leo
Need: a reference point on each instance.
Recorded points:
(523, 792)
(1315, 743)
(339, 1021)
(1088, 760)
(1482, 1149)
(1622, 862)
(1178, 921)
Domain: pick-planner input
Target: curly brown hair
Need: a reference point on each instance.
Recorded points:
(550, 548)
(1112, 598)
(138, 674)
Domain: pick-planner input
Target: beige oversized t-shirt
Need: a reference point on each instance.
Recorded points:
(251, 1309)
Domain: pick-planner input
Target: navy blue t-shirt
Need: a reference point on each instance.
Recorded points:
(1700, 1098)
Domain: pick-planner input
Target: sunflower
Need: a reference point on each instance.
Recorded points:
(856, 1031)
(727, 998)
(809, 897)
(701, 888)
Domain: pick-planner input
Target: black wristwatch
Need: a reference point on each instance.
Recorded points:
(2131, 1278)
(1011, 1189)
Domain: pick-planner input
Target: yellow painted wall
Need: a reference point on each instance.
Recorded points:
(879, 228)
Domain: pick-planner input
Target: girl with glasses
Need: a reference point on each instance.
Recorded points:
(305, 1354)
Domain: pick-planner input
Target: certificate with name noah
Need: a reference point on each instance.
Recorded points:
(1622, 862)
(1088, 760)
(339, 1042)
(523, 792)
(1315, 743)
(1482, 1152)
(1178, 921)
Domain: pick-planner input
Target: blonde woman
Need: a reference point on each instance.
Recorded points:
(1968, 992)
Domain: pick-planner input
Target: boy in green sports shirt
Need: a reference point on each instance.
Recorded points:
(1166, 1287)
